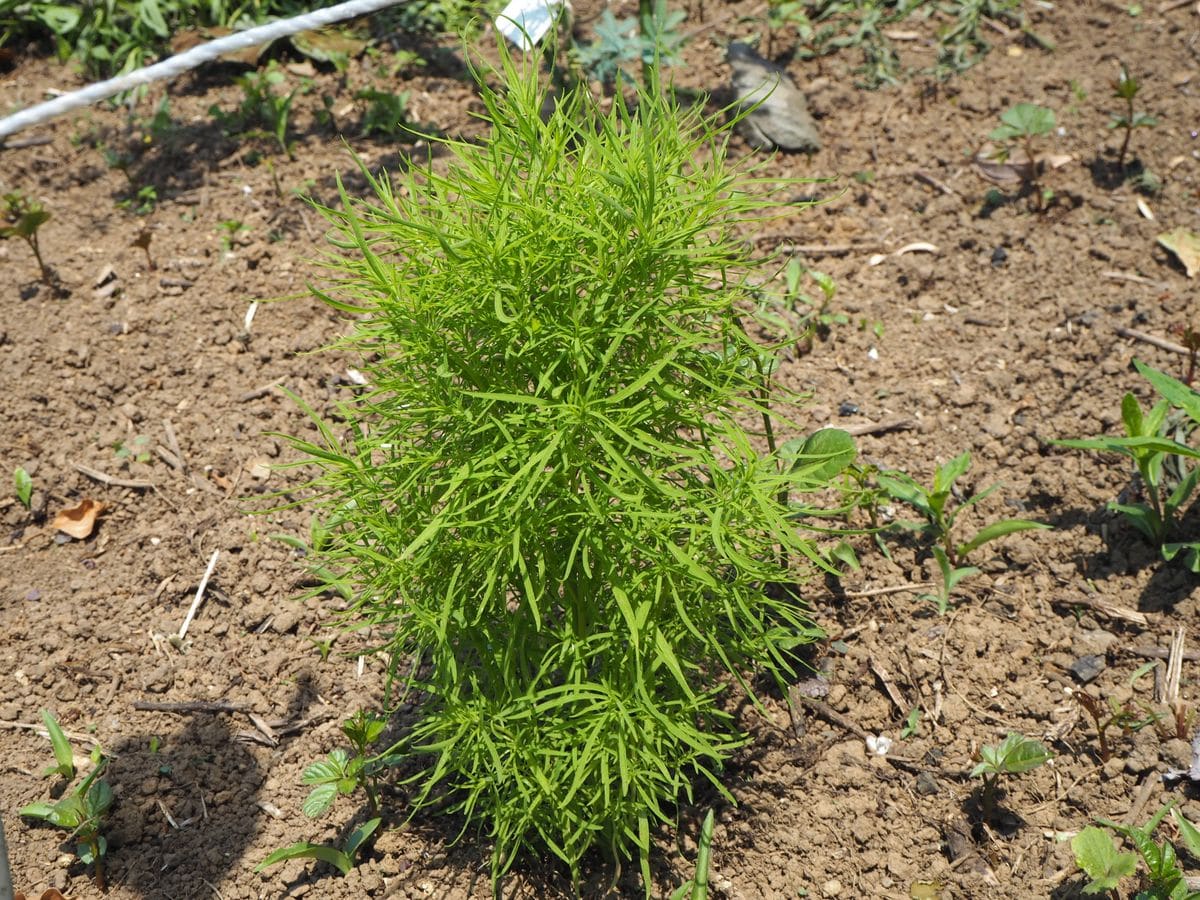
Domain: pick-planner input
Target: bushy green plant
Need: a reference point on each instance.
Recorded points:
(549, 497)
(1147, 443)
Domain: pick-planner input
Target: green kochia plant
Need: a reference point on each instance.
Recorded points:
(1146, 443)
(549, 496)
(1012, 756)
(1097, 854)
(83, 809)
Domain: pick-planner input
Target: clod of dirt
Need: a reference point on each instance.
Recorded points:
(782, 119)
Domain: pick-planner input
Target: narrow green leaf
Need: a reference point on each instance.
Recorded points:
(62, 748)
(331, 855)
(999, 530)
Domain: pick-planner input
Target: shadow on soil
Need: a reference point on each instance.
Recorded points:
(204, 777)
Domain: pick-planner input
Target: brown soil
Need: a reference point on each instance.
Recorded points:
(1002, 338)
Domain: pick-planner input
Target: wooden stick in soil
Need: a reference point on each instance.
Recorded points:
(1160, 343)
(111, 480)
(189, 706)
(191, 613)
(1161, 653)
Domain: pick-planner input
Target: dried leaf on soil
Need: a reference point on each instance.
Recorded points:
(1185, 244)
(79, 521)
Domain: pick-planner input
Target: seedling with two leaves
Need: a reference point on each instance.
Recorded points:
(1020, 127)
(1154, 453)
(23, 218)
(340, 774)
(940, 517)
(1125, 89)
(1097, 854)
(81, 810)
(1111, 714)
(1014, 755)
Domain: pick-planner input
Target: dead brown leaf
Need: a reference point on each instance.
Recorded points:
(79, 521)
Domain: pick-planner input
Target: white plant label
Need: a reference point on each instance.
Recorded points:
(525, 22)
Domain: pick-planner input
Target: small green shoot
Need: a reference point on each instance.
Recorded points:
(912, 724)
(696, 887)
(1022, 125)
(1147, 444)
(386, 113)
(1014, 755)
(1112, 715)
(342, 860)
(940, 517)
(23, 485)
(341, 773)
(135, 450)
(81, 810)
(1126, 89)
(260, 107)
(64, 759)
(23, 218)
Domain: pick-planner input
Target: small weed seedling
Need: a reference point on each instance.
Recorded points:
(22, 218)
(23, 485)
(1022, 125)
(1101, 860)
(1012, 756)
(135, 450)
(940, 518)
(1146, 443)
(1125, 89)
(261, 107)
(386, 113)
(1112, 714)
(230, 229)
(651, 38)
(81, 810)
(696, 887)
(342, 773)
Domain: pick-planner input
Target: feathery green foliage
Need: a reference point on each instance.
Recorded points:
(548, 496)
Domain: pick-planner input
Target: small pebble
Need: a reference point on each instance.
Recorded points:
(999, 256)
(1086, 668)
(846, 408)
(927, 785)
(33, 594)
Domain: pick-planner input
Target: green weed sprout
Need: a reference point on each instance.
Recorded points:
(1023, 124)
(940, 517)
(81, 810)
(696, 887)
(23, 486)
(1125, 89)
(23, 218)
(1014, 755)
(549, 495)
(386, 113)
(1099, 857)
(261, 106)
(652, 39)
(1146, 443)
(341, 858)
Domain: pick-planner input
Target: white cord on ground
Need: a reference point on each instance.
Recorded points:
(189, 59)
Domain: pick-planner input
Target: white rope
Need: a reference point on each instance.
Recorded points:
(189, 59)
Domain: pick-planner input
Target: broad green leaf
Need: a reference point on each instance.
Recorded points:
(327, 770)
(999, 530)
(1099, 858)
(1190, 551)
(820, 457)
(331, 855)
(1026, 119)
(1131, 416)
(319, 800)
(38, 810)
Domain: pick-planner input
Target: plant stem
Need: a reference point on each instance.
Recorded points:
(33, 245)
